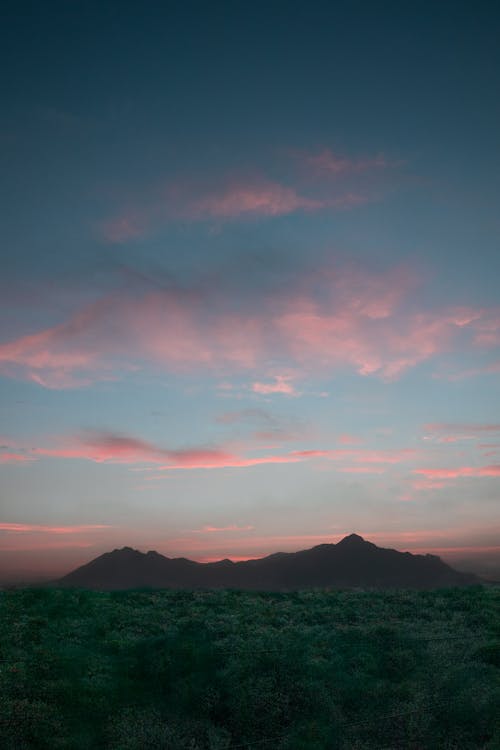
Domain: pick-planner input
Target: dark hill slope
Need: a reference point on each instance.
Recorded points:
(353, 562)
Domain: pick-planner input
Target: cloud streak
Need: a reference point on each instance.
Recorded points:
(361, 455)
(337, 319)
(113, 448)
(460, 472)
(326, 161)
(22, 528)
(120, 449)
(8, 457)
(264, 199)
(243, 199)
(444, 432)
(245, 196)
(281, 385)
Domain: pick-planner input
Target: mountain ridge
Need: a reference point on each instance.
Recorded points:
(351, 563)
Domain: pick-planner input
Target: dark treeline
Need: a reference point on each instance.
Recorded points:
(220, 670)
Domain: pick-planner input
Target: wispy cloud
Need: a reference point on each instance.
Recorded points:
(446, 432)
(112, 448)
(23, 528)
(264, 199)
(8, 457)
(281, 384)
(492, 368)
(222, 460)
(338, 165)
(460, 472)
(347, 439)
(241, 199)
(244, 196)
(336, 319)
(361, 455)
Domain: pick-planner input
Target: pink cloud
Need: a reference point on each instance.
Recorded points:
(239, 200)
(493, 368)
(334, 319)
(362, 456)
(361, 329)
(45, 359)
(7, 457)
(346, 439)
(111, 448)
(102, 447)
(443, 432)
(263, 199)
(62, 356)
(28, 542)
(487, 331)
(244, 196)
(461, 471)
(167, 329)
(227, 460)
(44, 529)
(223, 201)
(327, 161)
(281, 385)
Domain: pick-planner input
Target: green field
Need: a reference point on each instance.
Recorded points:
(219, 670)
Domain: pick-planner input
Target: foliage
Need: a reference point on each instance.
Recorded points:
(217, 670)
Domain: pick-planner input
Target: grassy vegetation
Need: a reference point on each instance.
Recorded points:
(219, 670)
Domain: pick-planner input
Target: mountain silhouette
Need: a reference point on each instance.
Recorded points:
(353, 562)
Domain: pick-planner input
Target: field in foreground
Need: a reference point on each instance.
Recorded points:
(217, 670)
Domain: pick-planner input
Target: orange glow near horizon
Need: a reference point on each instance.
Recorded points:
(59, 548)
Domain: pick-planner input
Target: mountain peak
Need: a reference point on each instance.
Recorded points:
(125, 552)
(351, 540)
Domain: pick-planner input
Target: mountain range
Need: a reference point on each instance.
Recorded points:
(352, 562)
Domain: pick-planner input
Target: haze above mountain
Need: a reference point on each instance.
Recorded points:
(352, 562)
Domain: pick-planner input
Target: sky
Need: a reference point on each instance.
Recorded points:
(249, 297)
